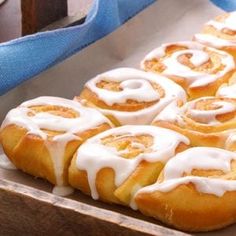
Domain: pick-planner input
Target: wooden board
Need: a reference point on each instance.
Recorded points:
(31, 210)
(37, 14)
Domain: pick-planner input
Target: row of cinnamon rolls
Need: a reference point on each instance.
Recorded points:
(161, 140)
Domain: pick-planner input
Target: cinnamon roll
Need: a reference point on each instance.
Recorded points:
(113, 165)
(206, 121)
(200, 70)
(220, 33)
(196, 191)
(130, 96)
(41, 136)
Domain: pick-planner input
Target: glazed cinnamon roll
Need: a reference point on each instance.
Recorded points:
(200, 70)
(113, 165)
(220, 33)
(206, 121)
(130, 96)
(41, 136)
(196, 191)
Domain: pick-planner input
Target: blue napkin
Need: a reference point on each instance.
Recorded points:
(227, 5)
(26, 57)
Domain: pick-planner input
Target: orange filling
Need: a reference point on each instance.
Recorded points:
(54, 110)
(129, 146)
(212, 66)
(129, 105)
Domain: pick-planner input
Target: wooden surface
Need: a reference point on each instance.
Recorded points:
(28, 211)
(10, 17)
(36, 14)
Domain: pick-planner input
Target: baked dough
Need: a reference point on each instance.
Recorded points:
(206, 121)
(41, 135)
(130, 96)
(113, 165)
(195, 192)
(200, 70)
(220, 33)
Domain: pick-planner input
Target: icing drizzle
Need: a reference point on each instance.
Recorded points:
(68, 127)
(199, 56)
(163, 148)
(136, 85)
(228, 23)
(202, 158)
(217, 41)
(214, 41)
(227, 91)
(173, 113)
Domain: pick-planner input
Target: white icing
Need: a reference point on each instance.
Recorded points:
(197, 59)
(163, 148)
(217, 41)
(57, 150)
(132, 88)
(202, 158)
(62, 190)
(214, 41)
(230, 141)
(199, 56)
(227, 91)
(87, 118)
(136, 85)
(209, 116)
(5, 163)
(173, 113)
(228, 23)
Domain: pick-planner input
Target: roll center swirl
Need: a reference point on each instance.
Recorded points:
(208, 113)
(129, 146)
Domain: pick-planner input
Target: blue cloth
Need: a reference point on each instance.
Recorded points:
(227, 5)
(26, 57)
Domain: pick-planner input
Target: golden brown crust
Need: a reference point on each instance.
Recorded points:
(31, 153)
(188, 210)
(186, 206)
(197, 138)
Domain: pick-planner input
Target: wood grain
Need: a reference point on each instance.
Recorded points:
(27, 211)
(37, 14)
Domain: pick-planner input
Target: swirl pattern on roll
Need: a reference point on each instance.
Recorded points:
(134, 153)
(130, 96)
(200, 70)
(57, 122)
(192, 185)
(178, 171)
(219, 33)
(207, 121)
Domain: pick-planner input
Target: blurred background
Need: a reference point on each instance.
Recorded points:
(23, 17)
